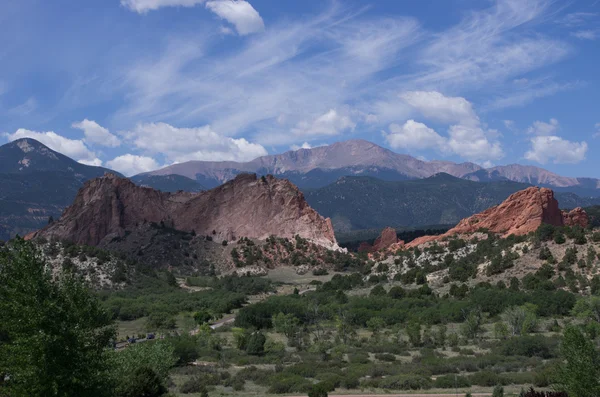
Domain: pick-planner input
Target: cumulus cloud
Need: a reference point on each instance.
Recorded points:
(73, 148)
(328, 124)
(143, 6)
(473, 143)
(239, 13)
(436, 106)
(130, 164)
(96, 134)
(467, 138)
(542, 128)
(414, 135)
(556, 149)
(597, 133)
(184, 144)
(305, 145)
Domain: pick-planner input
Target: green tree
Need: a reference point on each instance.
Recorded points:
(378, 290)
(588, 308)
(472, 325)
(498, 391)
(256, 344)
(286, 324)
(54, 332)
(154, 359)
(202, 317)
(579, 375)
(520, 319)
(413, 330)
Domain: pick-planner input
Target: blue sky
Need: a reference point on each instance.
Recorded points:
(138, 84)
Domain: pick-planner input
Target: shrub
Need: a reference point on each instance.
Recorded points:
(318, 390)
(529, 346)
(194, 385)
(385, 357)
(451, 381)
(405, 382)
(485, 378)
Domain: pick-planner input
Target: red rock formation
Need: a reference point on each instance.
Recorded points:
(521, 213)
(576, 217)
(247, 206)
(387, 238)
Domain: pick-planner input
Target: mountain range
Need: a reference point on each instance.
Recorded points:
(321, 166)
(357, 203)
(37, 183)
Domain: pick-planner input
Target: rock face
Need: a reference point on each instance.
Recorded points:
(576, 217)
(387, 239)
(521, 213)
(108, 207)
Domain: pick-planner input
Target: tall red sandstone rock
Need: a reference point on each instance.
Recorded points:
(246, 206)
(521, 213)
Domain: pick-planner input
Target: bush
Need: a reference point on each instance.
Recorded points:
(287, 383)
(498, 391)
(528, 346)
(405, 382)
(385, 357)
(318, 390)
(320, 272)
(194, 385)
(451, 381)
(485, 378)
(144, 382)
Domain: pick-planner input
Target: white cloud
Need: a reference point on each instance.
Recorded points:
(575, 19)
(528, 92)
(553, 148)
(586, 34)
(414, 135)
(473, 143)
(542, 128)
(95, 162)
(143, 6)
(489, 46)
(73, 148)
(305, 145)
(328, 124)
(184, 144)
(239, 13)
(597, 134)
(25, 108)
(130, 164)
(439, 107)
(466, 137)
(95, 133)
(509, 124)
(277, 81)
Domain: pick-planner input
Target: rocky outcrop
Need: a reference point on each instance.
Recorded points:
(576, 217)
(521, 213)
(387, 238)
(386, 242)
(247, 206)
